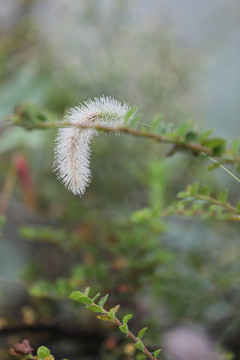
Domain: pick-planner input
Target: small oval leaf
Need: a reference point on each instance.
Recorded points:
(95, 308)
(127, 318)
(79, 297)
(156, 353)
(141, 333)
(124, 328)
(103, 300)
(139, 345)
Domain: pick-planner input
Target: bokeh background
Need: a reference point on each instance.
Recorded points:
(180, 277)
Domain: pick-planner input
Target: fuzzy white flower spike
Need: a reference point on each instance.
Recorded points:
(72, 151)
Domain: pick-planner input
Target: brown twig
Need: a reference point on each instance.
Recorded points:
(182, 145)
(129, 334)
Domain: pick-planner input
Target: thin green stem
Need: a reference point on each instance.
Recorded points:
(223, 167)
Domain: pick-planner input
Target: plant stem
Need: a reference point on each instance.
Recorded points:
(133, 337)
(217, 202)
(130, 335)
(195, 148)
(200, 213)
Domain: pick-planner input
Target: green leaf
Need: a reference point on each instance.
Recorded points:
(193, 189)
(217, 145)
(205, 135)
(142, 215)
(116, 308)
(139, 345)
(103, 300)
(156, 353)
(156, 121)
(223, 196)
(95, 308)
(43, 352)
(111, 314)
(141, 333)
(103, 317)
(127, 318)
(95, 297)
(191, 136)
(205, 190)
(140, 356)
(86, 292)
(124, 328)
(28, 116)
(184, 127)
(135, 120)
(183, 194)
(129, 114)
(79, 297)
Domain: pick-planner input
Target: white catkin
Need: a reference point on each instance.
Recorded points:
(72, 150)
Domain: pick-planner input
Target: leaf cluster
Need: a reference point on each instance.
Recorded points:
(110, 315)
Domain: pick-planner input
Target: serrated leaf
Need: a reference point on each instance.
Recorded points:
(156, 353)
(103, 300)
(104, 317)
(124, 328)
(95, 297)
(141, 333)
(86, 292)
(127, 318)
(139, 345)
(223, 196)
(79, 297)
(95, 308)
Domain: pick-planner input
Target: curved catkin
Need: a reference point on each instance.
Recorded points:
(72, 150)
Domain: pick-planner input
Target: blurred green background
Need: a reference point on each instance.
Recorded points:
(178, 59)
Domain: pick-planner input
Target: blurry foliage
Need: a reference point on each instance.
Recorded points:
(123, 237)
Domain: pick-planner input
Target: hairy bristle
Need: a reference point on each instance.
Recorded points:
(72, 151)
